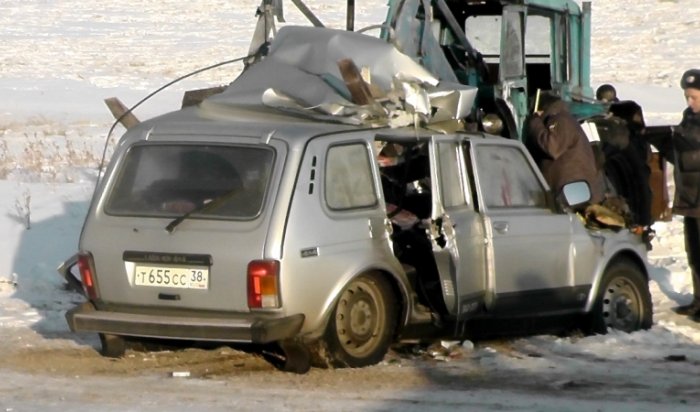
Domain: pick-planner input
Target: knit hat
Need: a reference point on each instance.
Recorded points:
(691, 79)
(606, 93)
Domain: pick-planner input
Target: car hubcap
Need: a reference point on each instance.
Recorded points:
(358, 319)
(621, 305)
(361, 319)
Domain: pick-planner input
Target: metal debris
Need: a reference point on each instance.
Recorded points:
(301, 75)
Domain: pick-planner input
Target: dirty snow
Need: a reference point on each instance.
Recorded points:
(60, 59)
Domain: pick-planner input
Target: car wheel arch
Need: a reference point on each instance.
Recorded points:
(618, 279)
(323, 348)
(398, 286)
(619, 257)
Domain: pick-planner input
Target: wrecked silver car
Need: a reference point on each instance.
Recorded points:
(283, 212)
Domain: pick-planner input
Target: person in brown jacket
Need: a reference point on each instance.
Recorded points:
(561, 149)
(681, 147)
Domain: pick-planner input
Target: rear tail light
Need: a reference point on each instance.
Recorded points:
(86, 266)
(263, 284)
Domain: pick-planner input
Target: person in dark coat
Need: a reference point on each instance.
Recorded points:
(681, 147)
(561, 149)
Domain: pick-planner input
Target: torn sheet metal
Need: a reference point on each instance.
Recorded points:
(301, 75)
(452, 101)
(317, 51)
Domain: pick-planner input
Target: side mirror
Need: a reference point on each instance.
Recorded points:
(576, 193)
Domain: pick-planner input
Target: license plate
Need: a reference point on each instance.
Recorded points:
(172, 277)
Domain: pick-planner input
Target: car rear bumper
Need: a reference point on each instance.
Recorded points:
(237, 328)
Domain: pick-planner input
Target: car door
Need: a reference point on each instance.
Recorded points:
(336, 223)
(530, 244)
(457, 230)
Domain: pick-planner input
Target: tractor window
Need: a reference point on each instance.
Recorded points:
(484, 33)
(538, 53)
(561, 42)
(537, 41)
(513, 53)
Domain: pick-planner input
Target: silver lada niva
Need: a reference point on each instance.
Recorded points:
(280, 213)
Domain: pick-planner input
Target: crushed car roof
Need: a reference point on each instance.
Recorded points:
(301, 75)
(298, 90)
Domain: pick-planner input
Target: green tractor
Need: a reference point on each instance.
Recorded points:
(510, 50)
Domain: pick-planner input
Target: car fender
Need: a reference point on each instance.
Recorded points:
(613, 248)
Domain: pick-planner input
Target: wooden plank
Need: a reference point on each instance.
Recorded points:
(121, 112)
(195, 97)
(359, 90)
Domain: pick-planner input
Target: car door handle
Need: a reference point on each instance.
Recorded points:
(500, 227)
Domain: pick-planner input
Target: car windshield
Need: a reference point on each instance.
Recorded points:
(169, 180)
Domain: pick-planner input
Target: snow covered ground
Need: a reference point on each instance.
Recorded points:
(60, 59)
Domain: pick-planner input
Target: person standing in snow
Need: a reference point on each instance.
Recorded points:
(561, 149)
(682, 149)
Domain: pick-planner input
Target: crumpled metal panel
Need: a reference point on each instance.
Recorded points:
(301, 75)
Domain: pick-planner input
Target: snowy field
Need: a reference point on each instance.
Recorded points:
(59, 59)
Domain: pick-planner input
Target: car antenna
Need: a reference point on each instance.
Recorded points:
(128, 112)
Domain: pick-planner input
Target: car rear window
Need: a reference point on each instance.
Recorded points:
(168, 180)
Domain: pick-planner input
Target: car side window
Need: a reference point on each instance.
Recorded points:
(349, 183)
(507, 179)
(453, 193)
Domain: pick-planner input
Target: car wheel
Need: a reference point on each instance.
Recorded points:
(113, 346)
(362, 324)
(623, 302)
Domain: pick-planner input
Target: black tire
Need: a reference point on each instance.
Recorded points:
(623, 301)
(362, 325)
(113, 346)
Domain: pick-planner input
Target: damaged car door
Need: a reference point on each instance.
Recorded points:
(531, 249)
(456, 230)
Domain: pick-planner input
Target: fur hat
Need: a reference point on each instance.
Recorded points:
(691, 79)
(607, 93)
